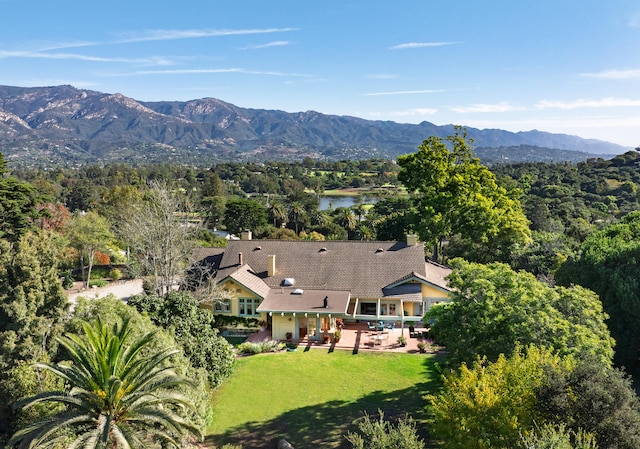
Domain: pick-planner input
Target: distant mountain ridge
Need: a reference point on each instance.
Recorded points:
(63, 124)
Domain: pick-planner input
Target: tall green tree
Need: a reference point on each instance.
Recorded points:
(88, 233)
(277, 213)
(242, 214)
(345, 217)
(32, 307)
(297, 216)
(608, 264)
(495, 308)
(117, 398)
(455, 196)
(18, 205)
(593, 397)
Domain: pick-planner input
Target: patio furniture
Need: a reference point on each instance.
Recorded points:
(372, 327)
(391, 326)
(412, 332)
(377, 339)
(380, 326)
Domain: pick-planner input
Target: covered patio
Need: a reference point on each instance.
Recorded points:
(356, 336)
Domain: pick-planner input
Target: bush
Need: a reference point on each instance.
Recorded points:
(193, 328)
(67, 280)
(551, 436)
(98, 283)
(100, 272)
(257, 348)
(381, 434)
(115, 274)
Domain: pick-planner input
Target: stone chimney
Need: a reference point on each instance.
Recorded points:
(271, 265)
(240, 259)
(412, 240)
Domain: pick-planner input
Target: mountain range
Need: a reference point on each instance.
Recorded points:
(66, 125)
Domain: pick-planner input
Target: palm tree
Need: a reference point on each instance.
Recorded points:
(297, 215)
(346, 219)
(277, 212)
(118, 398)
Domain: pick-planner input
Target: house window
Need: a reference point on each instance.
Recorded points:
(248, 306)
(368, 308)
(388, 309)
(223, 306)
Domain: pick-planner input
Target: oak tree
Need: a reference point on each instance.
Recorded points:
(455, 196)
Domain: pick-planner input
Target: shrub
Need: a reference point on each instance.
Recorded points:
(115, 274)
(551, 436)
(491, 404)
(102, 258)
(381, 434)
(67, 280)
(98, 283)
(193, 328)
(249, 347)
(100, 272)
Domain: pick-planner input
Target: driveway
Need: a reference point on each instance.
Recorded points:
(121, 289)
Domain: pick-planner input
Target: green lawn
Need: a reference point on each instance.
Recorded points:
(312, 398)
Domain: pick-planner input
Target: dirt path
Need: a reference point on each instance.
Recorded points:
(121, 289)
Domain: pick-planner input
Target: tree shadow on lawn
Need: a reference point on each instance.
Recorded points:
(325, 425)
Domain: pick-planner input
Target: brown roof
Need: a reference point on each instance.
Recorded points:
(437, 274)
(309, 301)
(247, 277)
(362, 268)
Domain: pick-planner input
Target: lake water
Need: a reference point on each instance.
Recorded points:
(333, 202)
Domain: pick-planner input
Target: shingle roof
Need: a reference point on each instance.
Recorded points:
(437, 274)
(363, 268)
(247, 277)
(310, 301)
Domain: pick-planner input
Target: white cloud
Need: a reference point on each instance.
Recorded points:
(422, 45)
(634, 20)
(485, 108)
(615, 74)
(417, 112)
(80, 57)
(267, 45)
(166, 35)
(404, 92)
(204, 71)
(381, 76)
(586, 103)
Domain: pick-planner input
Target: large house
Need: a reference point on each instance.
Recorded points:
(300, 288)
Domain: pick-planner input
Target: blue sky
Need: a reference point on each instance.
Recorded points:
(562, 66)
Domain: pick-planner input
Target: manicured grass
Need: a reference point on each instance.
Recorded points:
(312, 398)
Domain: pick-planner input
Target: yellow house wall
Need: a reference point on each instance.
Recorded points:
(432, 292)
(433, 295)
(238, 291)
(280, 325)
(409, 308)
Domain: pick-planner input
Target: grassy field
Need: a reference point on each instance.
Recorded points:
(312, 398)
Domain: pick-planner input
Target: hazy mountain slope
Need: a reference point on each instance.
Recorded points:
(65, 124)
